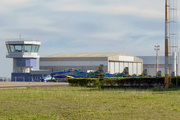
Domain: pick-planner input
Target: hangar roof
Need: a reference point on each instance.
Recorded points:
(121, 56)
(89, 54)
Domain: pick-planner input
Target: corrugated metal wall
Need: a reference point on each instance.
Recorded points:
(72, 63)
(82, 63)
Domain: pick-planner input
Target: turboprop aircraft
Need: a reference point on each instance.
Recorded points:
(75, 73)
(69, 73)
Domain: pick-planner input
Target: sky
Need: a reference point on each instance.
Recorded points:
(79, 26)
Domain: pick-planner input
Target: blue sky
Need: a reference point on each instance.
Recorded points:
(77, 26)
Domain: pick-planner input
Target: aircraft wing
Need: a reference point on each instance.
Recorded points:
(63, 76)
(69, 76)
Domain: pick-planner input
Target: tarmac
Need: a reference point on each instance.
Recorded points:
(31, 84)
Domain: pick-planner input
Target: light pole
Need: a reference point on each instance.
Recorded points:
(157, 48)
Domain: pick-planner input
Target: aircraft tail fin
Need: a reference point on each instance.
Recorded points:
(172, 74)
(163, 75)
(126, 71)
(144, 73)
(100, 69)
(158, 74)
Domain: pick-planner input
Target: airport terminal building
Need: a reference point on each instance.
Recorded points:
(113, 62)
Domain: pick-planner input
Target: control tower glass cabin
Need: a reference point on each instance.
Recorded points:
(24, 54)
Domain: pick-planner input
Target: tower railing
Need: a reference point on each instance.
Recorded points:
(21, 39)
(22, 53)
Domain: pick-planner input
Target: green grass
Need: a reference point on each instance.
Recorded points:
(75, 103)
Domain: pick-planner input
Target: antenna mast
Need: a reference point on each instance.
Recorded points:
(173, 37)
(166, 46)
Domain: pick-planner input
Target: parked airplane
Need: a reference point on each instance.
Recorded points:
(75, 73)
(69, 73)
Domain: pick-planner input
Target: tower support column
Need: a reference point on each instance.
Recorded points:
(166, 81)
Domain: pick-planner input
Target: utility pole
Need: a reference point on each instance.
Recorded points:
(157, 48)
(166, 81)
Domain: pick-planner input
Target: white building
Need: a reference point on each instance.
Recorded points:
(113, 62)
(24, 53)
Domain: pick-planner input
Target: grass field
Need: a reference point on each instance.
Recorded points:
(75, 103)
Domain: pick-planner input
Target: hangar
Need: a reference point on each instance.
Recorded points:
(113, 62)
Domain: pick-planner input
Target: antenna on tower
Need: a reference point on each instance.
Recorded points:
(173, 38)
(20, 36)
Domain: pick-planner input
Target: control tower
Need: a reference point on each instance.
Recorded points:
(24, 53)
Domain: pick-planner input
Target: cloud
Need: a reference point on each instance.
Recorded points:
(70, 26)
(141, 8)
(7, 6)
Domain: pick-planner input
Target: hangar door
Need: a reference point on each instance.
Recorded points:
(118, 67)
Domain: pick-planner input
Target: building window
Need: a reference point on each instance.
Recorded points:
(8, 49)
(18, 48)
(37, 48)
(11, 48)
(22, 48)
(27, 48)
